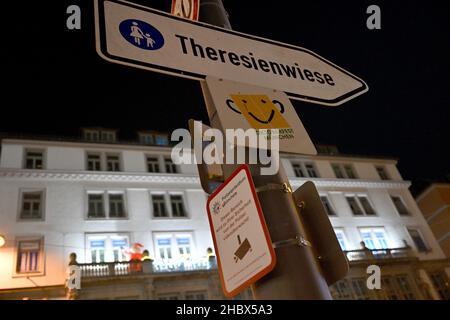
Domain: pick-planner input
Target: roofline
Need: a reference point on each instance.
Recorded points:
(137, 145)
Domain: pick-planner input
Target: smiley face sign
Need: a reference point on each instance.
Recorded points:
(235, 105)
(259, 110)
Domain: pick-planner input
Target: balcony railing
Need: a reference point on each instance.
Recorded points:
(111, 269)
(379, 254)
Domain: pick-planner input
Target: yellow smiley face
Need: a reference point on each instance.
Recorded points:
(259, 111)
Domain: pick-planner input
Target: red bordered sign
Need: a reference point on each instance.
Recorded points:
(241, 238)
(188, 9)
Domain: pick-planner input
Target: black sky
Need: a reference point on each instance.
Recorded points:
(54, 82)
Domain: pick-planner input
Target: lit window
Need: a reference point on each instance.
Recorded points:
(161, 140)
(28, 256)
(34, 159)
(374, 238)
(146, 138)
(170, 166)
(32, 205)
(152, 164)
(184, 247)
(174, 246)
(327, 206)
(97, 248)
(341, 239)
(418, 240)
(118, 245)
(164, 248)
(177, 205)
(360, 289)
(400, 206)
(159, 206)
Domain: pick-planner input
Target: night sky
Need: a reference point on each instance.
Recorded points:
(53, 81)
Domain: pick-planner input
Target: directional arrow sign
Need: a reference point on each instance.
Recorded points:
(138, 36)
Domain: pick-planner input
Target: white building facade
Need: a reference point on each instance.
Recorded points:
(95, 197)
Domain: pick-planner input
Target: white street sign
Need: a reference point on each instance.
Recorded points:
(241, 239)
(142, 37)
(243, 106)
(188, 9)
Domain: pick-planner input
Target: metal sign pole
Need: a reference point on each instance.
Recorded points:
(297, 274)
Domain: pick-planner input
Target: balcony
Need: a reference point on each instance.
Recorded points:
(379, 254)
(126, 268)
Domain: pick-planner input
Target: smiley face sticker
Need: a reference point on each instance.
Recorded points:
(259, 110)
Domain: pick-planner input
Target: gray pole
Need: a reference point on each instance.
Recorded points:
(297, 273)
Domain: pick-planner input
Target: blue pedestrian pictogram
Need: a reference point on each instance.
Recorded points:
(141, 34)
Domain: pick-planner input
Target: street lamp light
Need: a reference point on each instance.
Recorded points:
(2, 241)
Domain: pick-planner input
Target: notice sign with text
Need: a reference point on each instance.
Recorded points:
(241, 239)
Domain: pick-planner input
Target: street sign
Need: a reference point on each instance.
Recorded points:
(333, 262)
(188, 9)
(243, 106)
(241, 239)
(146, 38)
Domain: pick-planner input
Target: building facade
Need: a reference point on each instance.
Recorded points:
(434, 203)
(96, 196)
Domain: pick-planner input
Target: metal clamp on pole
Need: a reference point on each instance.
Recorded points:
(299, 241)
(274, 186)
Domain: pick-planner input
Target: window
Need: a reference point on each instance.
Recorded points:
(116, 206)
(441, 284)
(170, 166)
(169, 296)
(343, 171)
(342, 290)
(93, 162)
(389, 288)
(173, 247)
(311, 170)
(368, 210)
(303, 170)
(95, 206)
(400, 206)
(349, 171)
(337, 171)
(32, 205)
(360, 289)
(99, 135)
(184, 246)
(354, 206)
(152, 164)
(326, 203)
(29, 256)
(97, 248)
(146, 138)
(34, 159)
(177, 205)
(161, 140)
(374, 238)
(298, 170)
(164, 248)
(418, 240)
(159, 206)
(112, 163)
(196, 295)
(382, 172)
(405, 287)
(341, 239)
(107, 247)
(360, 205)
